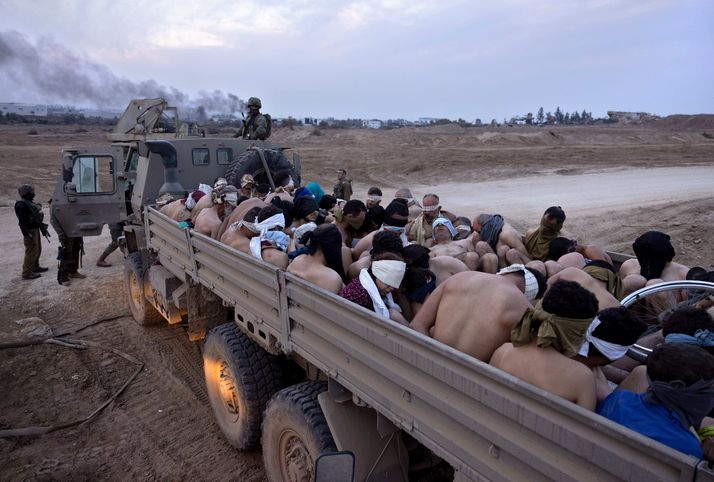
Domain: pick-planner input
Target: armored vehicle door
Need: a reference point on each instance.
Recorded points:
(91, 192)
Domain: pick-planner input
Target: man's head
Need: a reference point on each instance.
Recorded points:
(690, 322)
(570, 300)
(534, 282)
(262, 191)
(555, 214)
(254, 104)
(327, 202)
(374, 197)
(305, 208)
(386, 242)
(430, 207)
(416, 255)
(396, 214)
(353, 212)
(442, 230)
(418, 283)
(653, 250)
(249, 219)
(669, 362)
(463, 227)
(612, 332)
(388, 271)
(559, 247)
(341, 174)
(225, 197)
(26, 191)
(268, 212)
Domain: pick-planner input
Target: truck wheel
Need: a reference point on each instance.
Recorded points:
(240, 379)
(249, 162)
(295, 432)
(142, 311)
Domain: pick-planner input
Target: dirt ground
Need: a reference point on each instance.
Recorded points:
(161, 427)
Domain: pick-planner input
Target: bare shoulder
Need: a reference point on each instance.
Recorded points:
(499, 355)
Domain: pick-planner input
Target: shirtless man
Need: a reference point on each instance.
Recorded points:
(239, 234)
(598, 288)
(531, 282)
(502, 238)
(463, 227)
(350, 220)
(412, 204)
(654, 263)
(472, 312)
(443, 267)
(537, 240)
(443, 233)
(545, 339)
(182, 209)
(207, 201)
(322, 264)
(382, 242)
(238, 214)
(419, 230)
(271, 243)
(209, 221)
(396, 216)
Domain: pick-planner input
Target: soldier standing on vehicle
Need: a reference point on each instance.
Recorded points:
(343, 187)
(255, 127)
(30, 217)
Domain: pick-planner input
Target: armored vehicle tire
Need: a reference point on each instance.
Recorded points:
(240, 379)
(141, 310)
(295, 432)
(249, 162)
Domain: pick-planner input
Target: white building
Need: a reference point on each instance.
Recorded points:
(373, 124)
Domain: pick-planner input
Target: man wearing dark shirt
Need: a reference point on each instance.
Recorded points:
(30, 217)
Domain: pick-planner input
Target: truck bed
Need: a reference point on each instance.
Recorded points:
(486, 423)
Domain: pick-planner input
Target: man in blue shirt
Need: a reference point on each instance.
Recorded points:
(680, 395)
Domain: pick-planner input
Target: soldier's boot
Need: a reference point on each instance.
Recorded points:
(77, 275)
(102, 263)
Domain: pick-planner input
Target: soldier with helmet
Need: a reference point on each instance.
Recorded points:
(30, 218)
(255, 127)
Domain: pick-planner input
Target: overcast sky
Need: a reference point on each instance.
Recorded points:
(369, 58)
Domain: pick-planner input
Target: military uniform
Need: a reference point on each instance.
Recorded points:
(343, 189)
(255, 127)
(30, 217)
(68, 254)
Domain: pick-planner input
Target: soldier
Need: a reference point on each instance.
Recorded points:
(256, 125)
(30, 217)
(343, 187)
(116, 230)
(68, 254)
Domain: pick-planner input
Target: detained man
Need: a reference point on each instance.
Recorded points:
(322, 264)
(419, 231)
(443, 244)
(396, 216)
(654, 263)
(502, 238)
(209, 221)
(537, 240)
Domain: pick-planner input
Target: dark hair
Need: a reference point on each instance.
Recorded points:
(328, 238)
(416, 256)
(286, 207)
(617, 325)
(396, 213)
(251, 214)
(678, 361)
(374, 191)
(386, 242)
(262, 188)
(415, 278)
(388, 255)
(328, 202)
(555, 212)
(560, 246)
(268, 211)
(687, 320)
(541, 279)
(353, 207)
(570, 300)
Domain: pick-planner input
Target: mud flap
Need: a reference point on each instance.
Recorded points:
(377, 445)
(205, 311)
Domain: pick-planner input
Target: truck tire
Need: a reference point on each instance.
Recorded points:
(141, 310)
(240, 379)
(295, 432)
(249, 162)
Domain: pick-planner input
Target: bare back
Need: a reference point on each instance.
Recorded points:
(315, 272)
(208, 222)
(598, 288)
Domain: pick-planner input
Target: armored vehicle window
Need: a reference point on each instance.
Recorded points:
(200, 156)
(224, 155)
(93, 174)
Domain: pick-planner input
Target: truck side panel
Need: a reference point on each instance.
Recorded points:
(484, 422)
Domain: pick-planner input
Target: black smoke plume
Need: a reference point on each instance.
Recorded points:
(58, 75)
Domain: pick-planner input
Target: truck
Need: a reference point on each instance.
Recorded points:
(300, 372)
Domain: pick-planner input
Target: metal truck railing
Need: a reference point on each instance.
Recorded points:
(484, 422)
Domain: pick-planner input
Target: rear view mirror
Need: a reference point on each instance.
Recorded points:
(335, 467)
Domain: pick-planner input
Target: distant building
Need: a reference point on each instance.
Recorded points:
(426, 120)
(101, 113)
(630, 117)
(27, 110)
(373, 124)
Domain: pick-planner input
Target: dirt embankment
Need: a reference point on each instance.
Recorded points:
(161, 427)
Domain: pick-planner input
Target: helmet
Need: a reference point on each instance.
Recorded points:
(254, 102)
(25, 189)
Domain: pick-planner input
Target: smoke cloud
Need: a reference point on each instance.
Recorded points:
(58, 75)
